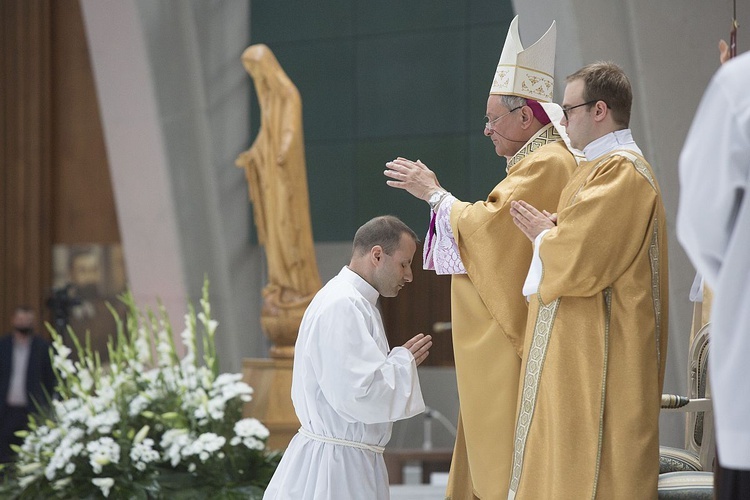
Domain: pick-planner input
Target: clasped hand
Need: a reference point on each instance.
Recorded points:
(530, 220)
(419, 346)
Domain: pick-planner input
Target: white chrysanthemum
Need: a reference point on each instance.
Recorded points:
(237, 389)
(104, 483)
(213, 408)
(251, 427)
(103, 451)
(203, 447)
(103, 422)
(62, 408)
(173, 442)
(143, 453)
(250, 432)
(137, 405)
(61, 458)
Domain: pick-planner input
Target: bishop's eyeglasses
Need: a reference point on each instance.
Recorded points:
(488, 123)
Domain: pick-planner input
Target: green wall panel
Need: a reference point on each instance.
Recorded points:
(389, 16)
(331, 179)
(412, 84)
(296, 20)
(446, 155)
(491, 11)
(382, 79)
(487, 169)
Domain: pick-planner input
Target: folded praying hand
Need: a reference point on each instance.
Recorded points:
(530, 220)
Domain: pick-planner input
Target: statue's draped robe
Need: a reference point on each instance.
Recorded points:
(489, 314)
(596, 341)
(276, 173)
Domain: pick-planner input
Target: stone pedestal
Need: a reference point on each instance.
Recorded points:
(271, 380)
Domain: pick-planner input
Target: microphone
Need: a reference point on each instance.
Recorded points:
(507, 138)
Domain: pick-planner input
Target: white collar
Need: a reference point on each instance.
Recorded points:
(619, 139)
(362, 286)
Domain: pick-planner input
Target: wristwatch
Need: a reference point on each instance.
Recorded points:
(435, 198)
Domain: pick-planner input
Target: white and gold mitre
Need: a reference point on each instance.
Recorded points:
(526, 73)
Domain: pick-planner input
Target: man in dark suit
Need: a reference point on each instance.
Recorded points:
(26, 378)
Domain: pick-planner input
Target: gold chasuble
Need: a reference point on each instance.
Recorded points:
(596, 341)
(489, 314)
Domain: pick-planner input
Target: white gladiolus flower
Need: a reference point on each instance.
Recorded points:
(63, 366)
(142, 346)
(104, 483)
(87, 382)
(95, 432)
(63, 351)
(210, 324)
(205, 305)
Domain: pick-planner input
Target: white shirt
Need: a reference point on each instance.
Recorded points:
(713, 225)
(617, 140)
(345, 385)
(17, 393)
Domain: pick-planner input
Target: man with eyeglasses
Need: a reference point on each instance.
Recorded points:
(596, 337)
(478, 244)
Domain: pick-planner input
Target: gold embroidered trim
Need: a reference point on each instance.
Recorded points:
(523, 67)
(545, 136)
(544, 321)
(607, 318)
(641, 167)
(653, 253)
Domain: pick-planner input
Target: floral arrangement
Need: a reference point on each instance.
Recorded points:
(148, 425)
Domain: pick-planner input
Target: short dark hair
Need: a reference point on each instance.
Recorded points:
(606, 81)
(385, 231)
